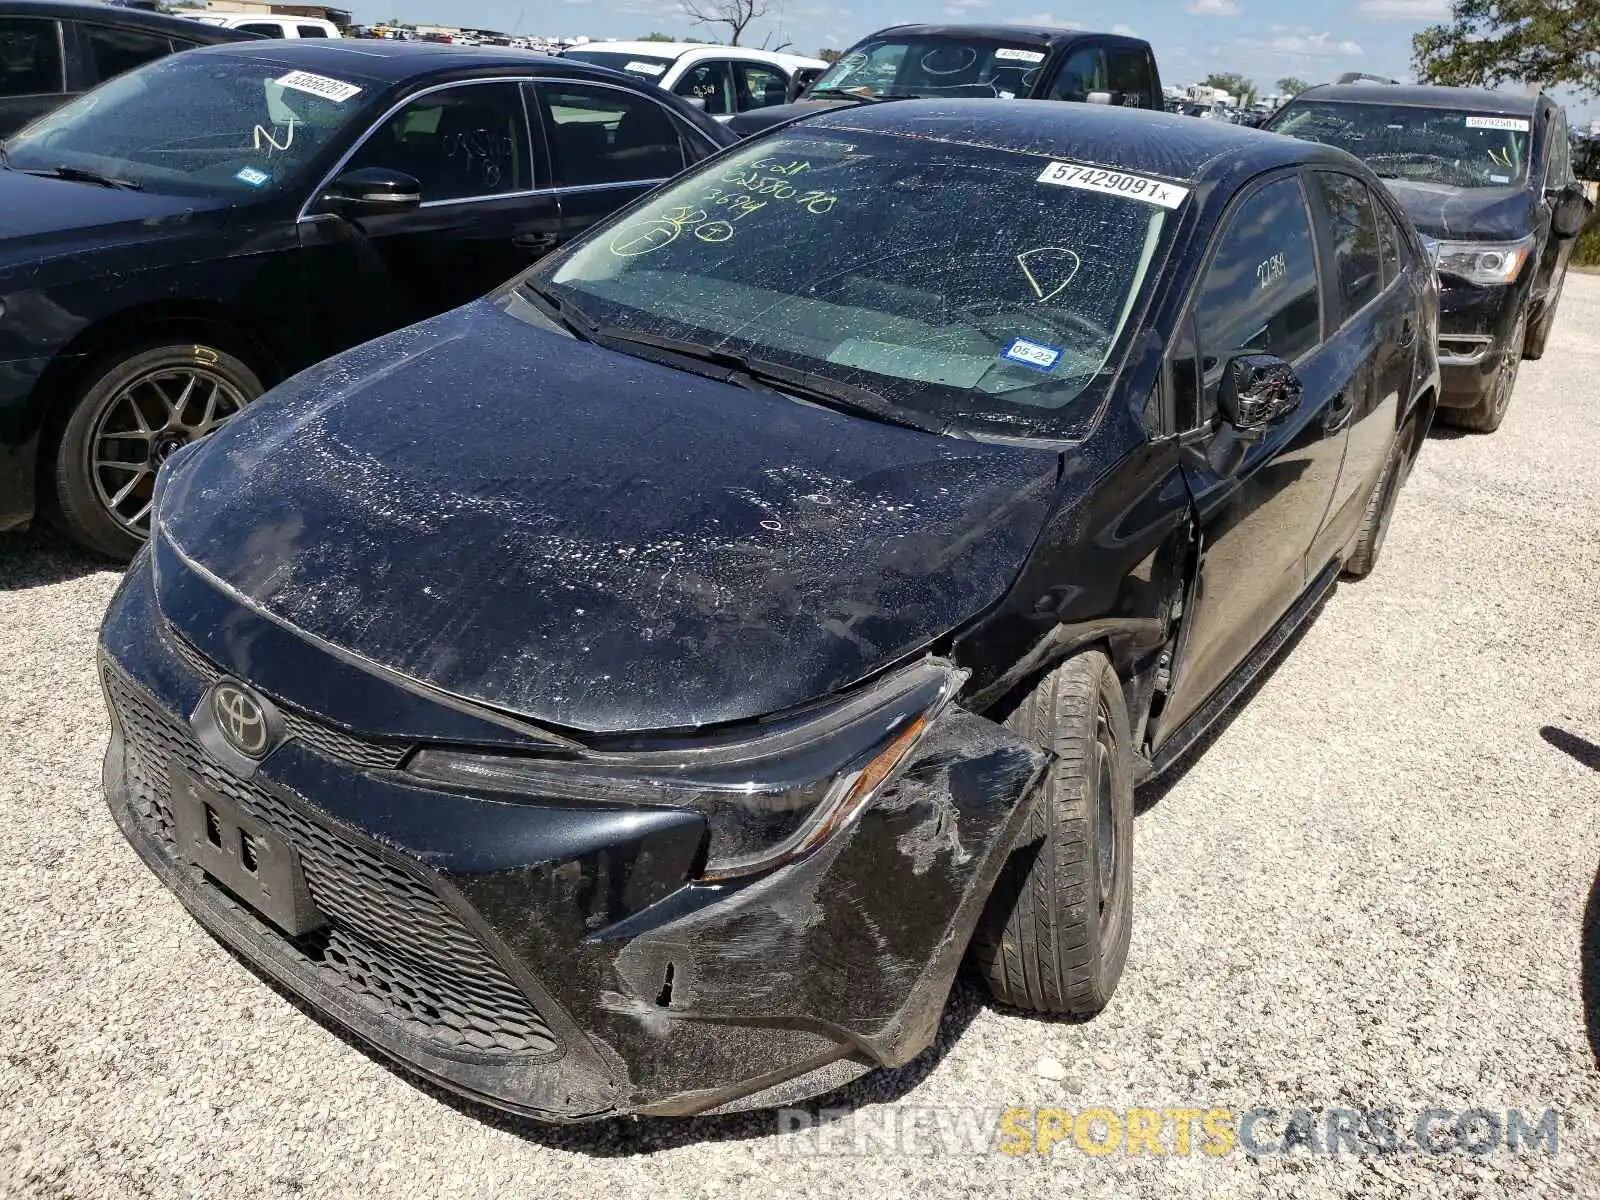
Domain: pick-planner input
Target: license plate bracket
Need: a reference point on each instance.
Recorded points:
(242, 855)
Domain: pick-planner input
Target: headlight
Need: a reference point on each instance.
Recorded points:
(768, 797)
(1482, 263)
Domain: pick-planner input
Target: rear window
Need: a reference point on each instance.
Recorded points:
(645, 66)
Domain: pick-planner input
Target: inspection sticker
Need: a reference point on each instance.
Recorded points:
(336, 90)
(1509, 124)
(1032, 354)
(644, 68)
(1007, 54)
(1114, 183)
(252, 177)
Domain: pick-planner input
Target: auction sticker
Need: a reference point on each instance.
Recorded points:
(644, 68)
(1114, 183)
(1509, 124)
(336, 90)
(1032, 354)
(1007, 54)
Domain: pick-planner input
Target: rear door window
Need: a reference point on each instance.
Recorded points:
(30, 57)
(1261, 293)
(269, 29)
(311, 31)
(601, 135)
(1353, 222)
(1131, 82)
(114, 52)
(760, 86)
(711, 84)
(1084, 71)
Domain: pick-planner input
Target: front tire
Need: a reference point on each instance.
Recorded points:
(1054, 935)
(1486, 415)
(135, 408)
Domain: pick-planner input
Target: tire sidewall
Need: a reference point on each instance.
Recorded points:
(77, 507)
(1113, 936)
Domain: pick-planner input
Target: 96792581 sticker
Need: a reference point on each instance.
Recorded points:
(1114, 183)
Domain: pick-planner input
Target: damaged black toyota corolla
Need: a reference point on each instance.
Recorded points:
(640, 690)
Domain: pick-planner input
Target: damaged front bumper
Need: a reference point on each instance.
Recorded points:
(1475, 324)
(565, 960)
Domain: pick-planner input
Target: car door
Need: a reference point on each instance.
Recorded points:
(33, 70)
(608, 146)
(1553, 176)
(1258, 506)
(487, 210)
(1373, 343)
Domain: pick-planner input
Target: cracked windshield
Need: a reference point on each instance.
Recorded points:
(1425, 145)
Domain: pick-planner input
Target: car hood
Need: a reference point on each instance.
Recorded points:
(41, 217)
(1475, 214)
(757, 119)
(593, 541)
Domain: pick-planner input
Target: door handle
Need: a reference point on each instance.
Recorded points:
(1339, 413)
(1408, 332)
(538, 242)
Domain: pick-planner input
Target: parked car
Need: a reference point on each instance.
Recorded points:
(199, 229)
(273, 27)
(51, 51)
(722, 80)
(1003, 62)
(1487, 178)
(636, 691)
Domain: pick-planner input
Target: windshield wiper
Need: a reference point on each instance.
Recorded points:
(858, 97)
(569, 316)
(84, 175)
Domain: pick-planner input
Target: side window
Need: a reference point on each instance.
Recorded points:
(759, 86)
(1260, 293)
(306, 31)
(1559, 172)
(709, 83)
(1131, 84)
(602, 135)
(1389, 241)
(269, 29)
(1084, 72)
(1187, 410)
(461, 143)
(117, 51)
(1356, 260)
(30, 57)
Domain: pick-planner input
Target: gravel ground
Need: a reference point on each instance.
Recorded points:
(1368, 892)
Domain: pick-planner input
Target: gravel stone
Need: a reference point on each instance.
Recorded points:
(1368, 891)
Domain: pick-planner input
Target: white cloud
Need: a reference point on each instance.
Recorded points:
(1124, 31)
(1042, 18)
(1214, 8)
(1403, 10)
(1302, 45)
(960, 8)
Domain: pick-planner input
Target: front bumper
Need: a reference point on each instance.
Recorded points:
(1474, 326)
(559, 961)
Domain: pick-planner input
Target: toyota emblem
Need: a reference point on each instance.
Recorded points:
(241, 717)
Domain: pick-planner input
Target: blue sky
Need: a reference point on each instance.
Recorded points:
(1312, 39)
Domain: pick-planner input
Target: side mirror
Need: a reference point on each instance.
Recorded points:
(1571, 212)
(371, 191)
(1256, 390)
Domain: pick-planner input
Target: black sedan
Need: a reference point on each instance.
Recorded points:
(1487, 179)
(638, 690)
(183, 237)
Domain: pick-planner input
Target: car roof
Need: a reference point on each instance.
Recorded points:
(1139, 141)
(392, 62)
(1007, 32)
(677, 50)
(126, 18)
(1424, 96)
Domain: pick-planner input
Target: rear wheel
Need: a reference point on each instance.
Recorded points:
(135, 409)
(1486, 415)
(1380, 508)
(1054, 935)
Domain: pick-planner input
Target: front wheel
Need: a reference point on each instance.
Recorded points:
(1486, 415)
(1054, 935)
(136, 408)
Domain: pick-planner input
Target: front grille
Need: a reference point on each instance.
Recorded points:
(301, 727)
(390, 942)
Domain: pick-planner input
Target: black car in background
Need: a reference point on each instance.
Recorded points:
(195, 231)
(637, 690)
(50, 51)
(1002, 62)
(1487, 179)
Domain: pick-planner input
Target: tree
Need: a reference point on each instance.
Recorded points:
(1292, 86)
(658, 37)
(1242, 89)
(1487, 42)
(829, 55)
(737, 15)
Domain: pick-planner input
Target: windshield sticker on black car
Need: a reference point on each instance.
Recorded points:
(1049, 270)
(645, 68)
(336, 90)
(1007, 54)
(253, 177)
(1034, 355)
(1114, 183)
(1507, 124)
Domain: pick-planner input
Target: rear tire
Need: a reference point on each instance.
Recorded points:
(1486, 415)
(1380, 509)
(133, 409)
(1054, 934)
